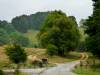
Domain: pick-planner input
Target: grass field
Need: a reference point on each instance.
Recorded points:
(32, 36)
(40, 53)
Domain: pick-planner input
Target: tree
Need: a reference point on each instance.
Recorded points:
(8, 27)
(52, 50)
(92, 25)
(21, 23)
(17, 55)
(19, 38)
(4, 37)
(60, 32)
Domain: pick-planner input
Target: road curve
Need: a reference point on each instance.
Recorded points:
(61, 69)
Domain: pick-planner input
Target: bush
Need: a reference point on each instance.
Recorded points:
(51, 50)
(17, 55)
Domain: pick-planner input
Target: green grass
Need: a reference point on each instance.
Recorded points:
(89, 70)
(32, 36)
(21, 73)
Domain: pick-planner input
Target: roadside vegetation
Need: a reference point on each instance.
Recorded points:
(93, 67)
(92, 29)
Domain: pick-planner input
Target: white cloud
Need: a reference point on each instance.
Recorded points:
(12, 8)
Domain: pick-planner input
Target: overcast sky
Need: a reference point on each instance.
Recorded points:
(11, 8)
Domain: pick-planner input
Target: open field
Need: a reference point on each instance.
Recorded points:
(40, 53)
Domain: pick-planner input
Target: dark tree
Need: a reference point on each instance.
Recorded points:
(93, 30)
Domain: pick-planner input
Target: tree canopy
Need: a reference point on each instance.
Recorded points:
(25, 22)
(60, 32)
(93, 30)
(4, 37)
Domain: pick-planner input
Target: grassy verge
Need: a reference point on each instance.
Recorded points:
(91, 69)
(87, 71)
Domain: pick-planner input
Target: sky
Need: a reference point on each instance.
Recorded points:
(81, 9)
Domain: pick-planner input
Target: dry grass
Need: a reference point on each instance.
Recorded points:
(3, 58)
(40, 53)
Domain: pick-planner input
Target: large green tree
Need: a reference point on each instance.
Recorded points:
(93, 30)
(59, 33)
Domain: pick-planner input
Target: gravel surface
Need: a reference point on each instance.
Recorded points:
(61, 69)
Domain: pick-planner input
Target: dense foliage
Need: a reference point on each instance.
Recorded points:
(5, 30)
(16, 54)
(7, 26)
(24, 23)
(4, 37)
(18, 38)
(60, 33)
(83, 36)
(93, 30)
(9, 35)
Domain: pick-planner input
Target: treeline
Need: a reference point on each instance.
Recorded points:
(24, 23)
(9, 35)
(13, 32)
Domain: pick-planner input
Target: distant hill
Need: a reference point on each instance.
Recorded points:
(13, 32)
(25, 22)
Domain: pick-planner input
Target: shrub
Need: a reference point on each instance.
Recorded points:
(51, 50)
